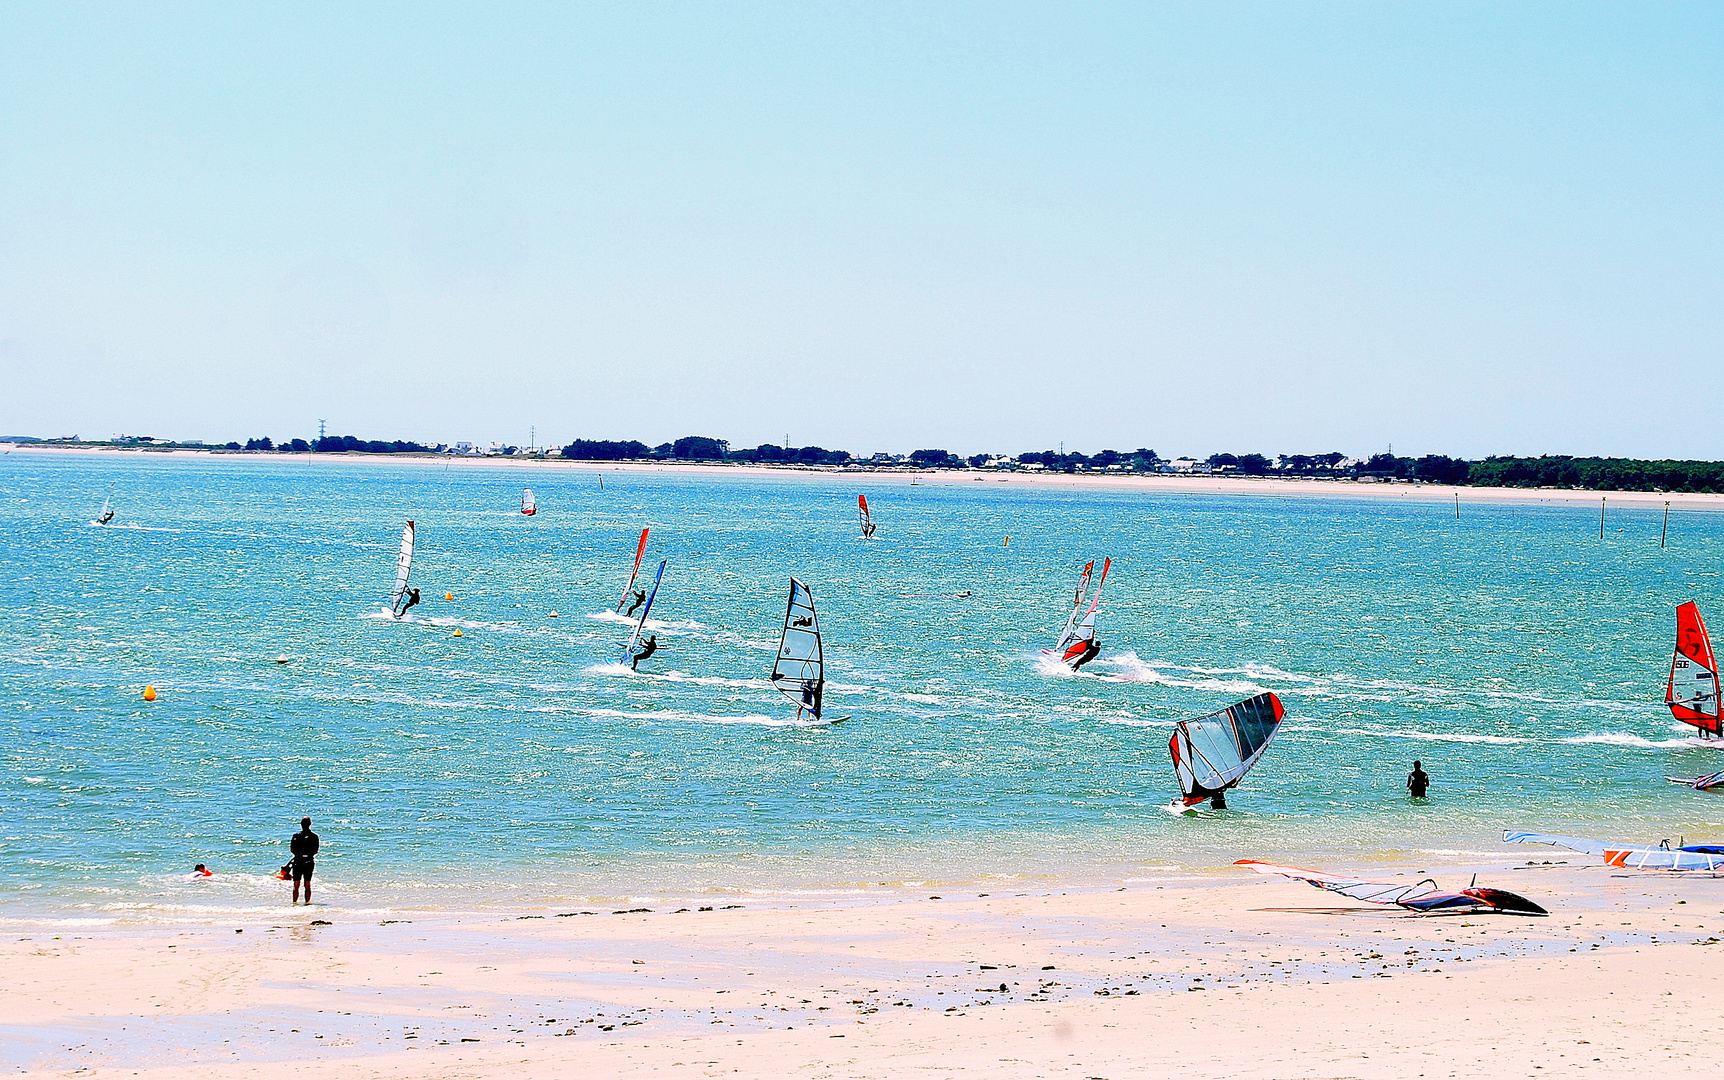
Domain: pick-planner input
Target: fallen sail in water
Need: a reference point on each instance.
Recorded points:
(1693, 690)
(1700, 783)
(529, 505)
(1213, 753)
(1076, 645)
(1421, 896)
(399, 600)
(1707, 858)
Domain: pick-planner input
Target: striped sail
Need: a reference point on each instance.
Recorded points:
(640, 551)
(799, 672)
(1212, 753)
(1693, 690)
(403, 567)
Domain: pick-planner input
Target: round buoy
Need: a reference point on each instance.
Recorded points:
(457, 633)
(149, 693)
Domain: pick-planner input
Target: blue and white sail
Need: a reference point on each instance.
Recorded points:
(634, 644)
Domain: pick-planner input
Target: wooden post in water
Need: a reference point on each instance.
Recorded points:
(1601, 499)
(1662, 533)
(1457, 506)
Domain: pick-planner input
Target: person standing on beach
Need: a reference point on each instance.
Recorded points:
(1418, 781)
(304, 846)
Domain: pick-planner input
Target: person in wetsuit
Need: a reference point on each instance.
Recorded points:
(1218, 801)
(647, 650)
(811, 698)
(410, 598)
(640, 598)
(304, 846)
(868, 531)
(1089, 653)
(1418, 781)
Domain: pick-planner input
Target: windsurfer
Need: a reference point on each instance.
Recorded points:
(647, 650)
(105, 518)
(409, 598)
(1091, 651)
(640, 598)
(1218, 801)
(868, 531)
(811, 698)
(1418, 781)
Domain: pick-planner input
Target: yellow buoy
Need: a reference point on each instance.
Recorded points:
(149, 693)
(448, 596)
(457, 633)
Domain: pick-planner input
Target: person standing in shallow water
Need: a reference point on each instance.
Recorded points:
(1418, 781)
(304, 846)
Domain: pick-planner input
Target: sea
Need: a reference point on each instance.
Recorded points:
(488, 752)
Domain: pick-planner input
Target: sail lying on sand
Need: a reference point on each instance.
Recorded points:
(1077, 640)
(799, 672)
(1421, 896)
(864, 518)
(1693, 690)
(640, 624)
(640, 551)
(403, 567)
(1213, 753)
(1707, 858)
(529, 505)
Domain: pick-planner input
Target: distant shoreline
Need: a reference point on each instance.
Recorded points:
(1148, 483)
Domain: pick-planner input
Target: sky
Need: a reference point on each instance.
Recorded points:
(1461, 229)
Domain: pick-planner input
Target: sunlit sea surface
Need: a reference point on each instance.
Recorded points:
(1520, 657)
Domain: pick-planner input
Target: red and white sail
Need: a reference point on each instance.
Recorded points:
(864, 518)
(1079, 630)
(529, 505)
(640, 552)
(1693, 690)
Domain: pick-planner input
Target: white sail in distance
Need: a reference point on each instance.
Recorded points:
(799, 672)
(529, 505)
(403, 567)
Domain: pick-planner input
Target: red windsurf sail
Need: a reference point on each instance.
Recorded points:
(1693, 690)
(639, 551)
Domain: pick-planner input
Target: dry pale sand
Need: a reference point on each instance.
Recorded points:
(1156, 483)
(1208, 975)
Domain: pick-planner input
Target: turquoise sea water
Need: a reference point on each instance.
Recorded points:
(1513, 651)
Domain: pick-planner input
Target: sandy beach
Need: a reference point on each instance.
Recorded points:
(1146, 483)
(1238, 975)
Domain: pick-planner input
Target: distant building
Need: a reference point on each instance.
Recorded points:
(1186, 465)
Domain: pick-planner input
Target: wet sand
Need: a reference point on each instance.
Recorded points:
(1218, 972)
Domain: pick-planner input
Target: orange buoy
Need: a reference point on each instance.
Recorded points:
(448, 596)
(149, 693)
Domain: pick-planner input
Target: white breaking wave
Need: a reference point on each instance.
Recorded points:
(1622, 738)
(1438, 736)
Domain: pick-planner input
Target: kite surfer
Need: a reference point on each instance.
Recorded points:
(647, 650)
(640, 598)
(1418, 781)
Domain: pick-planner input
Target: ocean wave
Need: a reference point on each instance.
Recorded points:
(1438, 736)
(651, 624)
(1638, 742)
(760, 719)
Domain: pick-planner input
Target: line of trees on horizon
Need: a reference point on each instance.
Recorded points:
(1549, 470)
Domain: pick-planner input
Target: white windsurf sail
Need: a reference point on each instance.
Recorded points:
(403, 567)
(1213, 753)
(1070, 630)
(640, 624)
(1077, 636)
(799, 673)
(107, 513)
(640, 551)
(529, 505)
(1693, 690)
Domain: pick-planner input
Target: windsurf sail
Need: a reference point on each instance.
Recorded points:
(1703, 857)
(640, 624)
(640, 550)
(1070, 632)
(1079, 639)
(1213, 753)
(799, 673)
(107, 513)
(864, 518)
(1572, 843)
(1700, 783)
(1421, 896)
(403, 567)
(1693, 690)
(529, 505)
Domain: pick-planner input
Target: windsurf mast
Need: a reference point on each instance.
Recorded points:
(1213, 753)
(403, 567)
(640, 624)
(1693, 690)
(529, 505)
(799, 672)
(640, 550)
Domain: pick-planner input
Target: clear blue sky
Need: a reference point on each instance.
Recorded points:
(1461, 229)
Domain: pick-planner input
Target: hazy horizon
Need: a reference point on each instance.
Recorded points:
(1464, 230)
